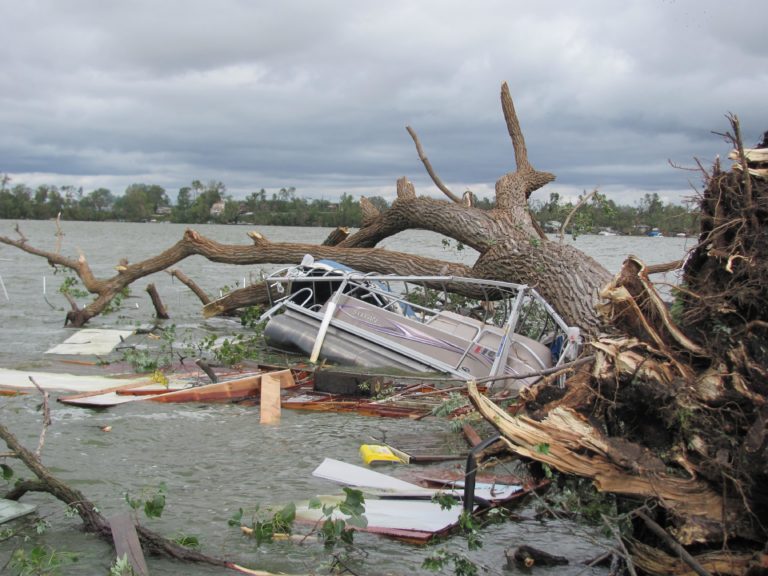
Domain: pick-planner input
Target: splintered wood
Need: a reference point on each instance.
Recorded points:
(567, 442)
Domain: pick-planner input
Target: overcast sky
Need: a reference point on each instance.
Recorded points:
(317, 94)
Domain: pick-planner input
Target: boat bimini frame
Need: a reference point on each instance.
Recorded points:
(467, 328)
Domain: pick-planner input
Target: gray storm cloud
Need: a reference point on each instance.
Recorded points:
(317, 95)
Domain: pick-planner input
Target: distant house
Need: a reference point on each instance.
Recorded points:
(163, 211)
(552, 226)
(217, 209)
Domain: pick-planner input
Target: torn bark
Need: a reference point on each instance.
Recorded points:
(575, 447)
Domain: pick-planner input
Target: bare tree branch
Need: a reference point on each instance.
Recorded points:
(430, 170)
(513, 127)
(46, 417)
(575, 209)
(191, 284)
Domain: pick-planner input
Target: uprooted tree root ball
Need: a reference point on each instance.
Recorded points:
(672, 414)
(724, 306)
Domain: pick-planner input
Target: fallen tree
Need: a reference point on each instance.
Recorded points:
(510, 243)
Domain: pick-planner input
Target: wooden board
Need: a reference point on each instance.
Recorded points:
(229, 391)
(217, 392)
(127, 542)
(115, 395)
(307, 400)
(270, 399)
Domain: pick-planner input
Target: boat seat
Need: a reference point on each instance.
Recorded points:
(527, 351)
(456, 324)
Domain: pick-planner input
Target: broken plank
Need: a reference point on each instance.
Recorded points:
(127, 542)
(471, 435)
(360, 477)
(270, 398)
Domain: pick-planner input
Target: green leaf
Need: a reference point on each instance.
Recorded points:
(347, 536)
(354, 503)
(358, 521)
(328, 509)
(187, 540)
(314, 503)
(287, 514)
(154, 508)
(134, 503)
(236, 519)
(41, 526)
(446, 501)
(283, 519)
(7, 472)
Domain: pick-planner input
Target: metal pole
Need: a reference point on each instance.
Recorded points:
(500, 362)
(327, 320)
(471, 472)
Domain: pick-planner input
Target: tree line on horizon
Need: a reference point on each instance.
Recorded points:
(209, 203)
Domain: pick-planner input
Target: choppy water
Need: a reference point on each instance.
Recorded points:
(216, 459)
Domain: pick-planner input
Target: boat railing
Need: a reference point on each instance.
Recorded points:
(507, 306)
(307, 293)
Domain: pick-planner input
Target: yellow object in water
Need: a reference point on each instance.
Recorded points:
(377, 454)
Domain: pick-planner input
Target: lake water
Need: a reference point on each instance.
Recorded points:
(216, 459)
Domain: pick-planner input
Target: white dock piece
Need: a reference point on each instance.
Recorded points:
(421, 515)
(10, 510)
(90, 342)
(19, 379)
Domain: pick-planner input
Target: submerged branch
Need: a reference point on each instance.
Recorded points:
(46, 417)
(92, 519)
